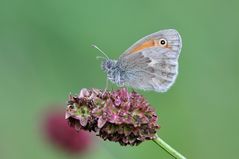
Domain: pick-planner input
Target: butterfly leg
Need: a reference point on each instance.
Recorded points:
(123, 85)
(133, 90)
(112, 87)
(106, 86)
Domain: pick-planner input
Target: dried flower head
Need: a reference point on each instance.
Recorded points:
(118, 116)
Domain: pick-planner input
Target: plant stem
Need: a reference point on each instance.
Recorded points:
(168, 148)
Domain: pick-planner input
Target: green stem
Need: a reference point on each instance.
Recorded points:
(168, 148)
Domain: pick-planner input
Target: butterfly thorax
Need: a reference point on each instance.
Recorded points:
(113, 70)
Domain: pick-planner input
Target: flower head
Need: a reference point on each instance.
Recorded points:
(119, 116)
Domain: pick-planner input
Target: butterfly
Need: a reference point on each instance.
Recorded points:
(149, 64)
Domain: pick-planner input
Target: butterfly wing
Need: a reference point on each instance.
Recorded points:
(152, 62)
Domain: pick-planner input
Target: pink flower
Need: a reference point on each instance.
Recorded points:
(119, 116)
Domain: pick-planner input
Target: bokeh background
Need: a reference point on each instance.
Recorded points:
(46, 53)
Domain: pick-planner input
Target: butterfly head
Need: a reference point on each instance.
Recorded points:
(107, 65)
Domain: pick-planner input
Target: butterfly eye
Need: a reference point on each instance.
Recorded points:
(163, 42)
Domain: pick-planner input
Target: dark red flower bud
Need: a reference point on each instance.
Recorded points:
(58, 133)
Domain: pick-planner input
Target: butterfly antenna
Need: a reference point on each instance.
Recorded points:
(100, 51)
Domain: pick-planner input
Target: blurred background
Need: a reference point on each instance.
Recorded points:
(46, 53)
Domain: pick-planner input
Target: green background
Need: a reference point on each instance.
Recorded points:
(46, 53)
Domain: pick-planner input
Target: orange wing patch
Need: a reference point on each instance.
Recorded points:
(144, 45)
